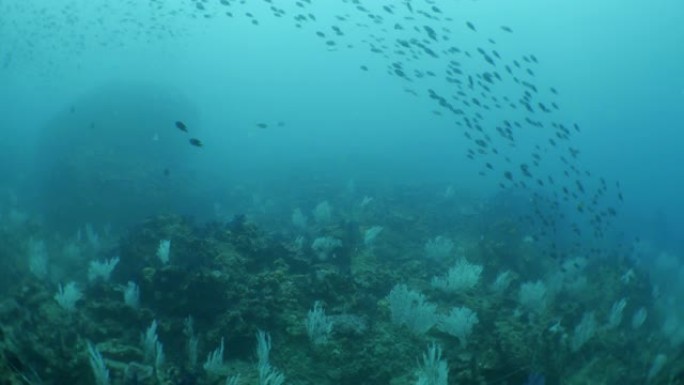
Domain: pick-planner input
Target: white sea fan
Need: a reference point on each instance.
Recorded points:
(318, 324)
(164, 251)
(438, 248)
(370, 234)
(409, 307)
(434, 370)
(214, 362)
(268, 375)
(68, 295)
(462, 276)
(584, 331)
(152, 348)
(533, 296)
(324, 247)
(299, 220)
(323, 213)
(97, 364)
(615, 316)
(132, 295)
(639, 318)
(658, 363)
(502, 282)
(459, 323)
(102, 269)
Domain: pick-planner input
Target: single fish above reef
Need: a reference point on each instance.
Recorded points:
(196, 142)
(181, 126)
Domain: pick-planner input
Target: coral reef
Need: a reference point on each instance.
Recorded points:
(224, 282)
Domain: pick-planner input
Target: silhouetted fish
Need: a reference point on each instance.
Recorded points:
(196, 142)
(181, 126)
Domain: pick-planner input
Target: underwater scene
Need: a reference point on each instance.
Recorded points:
(352, 192)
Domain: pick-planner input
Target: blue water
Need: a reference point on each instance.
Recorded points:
(548, 130)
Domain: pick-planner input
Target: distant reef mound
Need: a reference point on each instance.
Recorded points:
(115, 155)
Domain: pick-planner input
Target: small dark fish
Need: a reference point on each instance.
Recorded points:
(364, 68)
(72, 110)
(507, 28)
(167, 172)
(181, 126)
(262, 125)
(525, 170)
(196, 142)
(471, 26)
